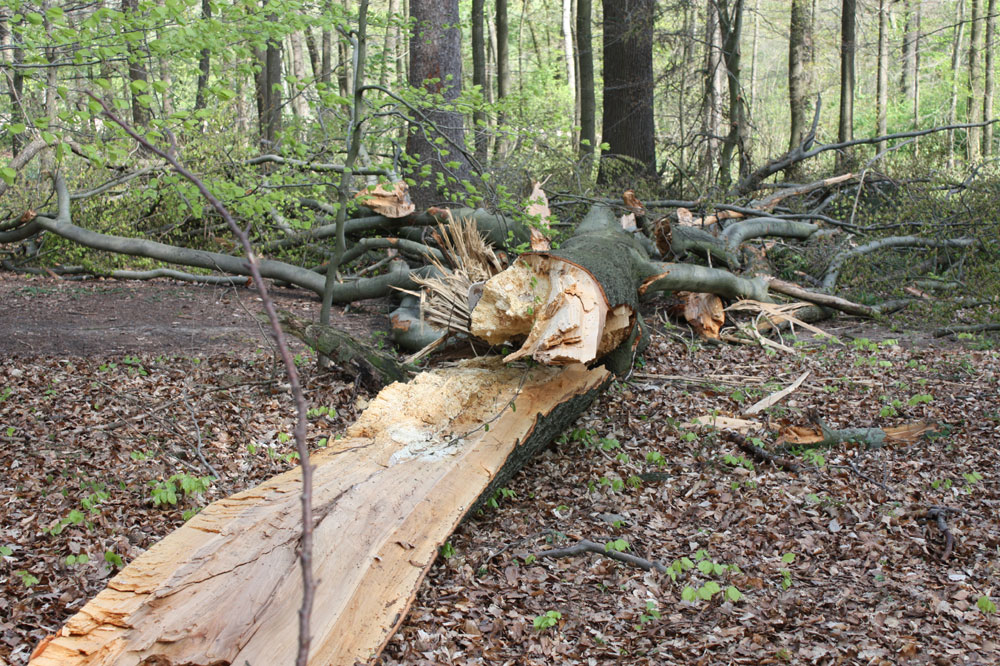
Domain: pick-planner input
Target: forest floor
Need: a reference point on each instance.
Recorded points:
(114, 396)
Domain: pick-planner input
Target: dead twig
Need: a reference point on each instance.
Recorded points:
(939, 514)
(588, 546)
(763, 455)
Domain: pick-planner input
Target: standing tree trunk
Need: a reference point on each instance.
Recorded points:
(799, 40)
(137, 76)
(956, 57)
(906, 68)
(755, 42)
(326, 50)
(845, 130)
(271, 125)
(712, 96)
(204, 62)
(738, 138)
(628, 91)
(973, 106)
(503, 69)
(15, 91)
(916, 75)
(882, 92)
(436, 67)
(298, 102)
(479, 118)
(389, 43)
(988, 92)
(588, 103)
(569, 53)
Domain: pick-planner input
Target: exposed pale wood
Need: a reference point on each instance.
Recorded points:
(224, 588)
(776, 397)
(392, 203)
(703, 312)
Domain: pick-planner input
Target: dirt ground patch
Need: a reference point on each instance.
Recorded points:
(48, 316)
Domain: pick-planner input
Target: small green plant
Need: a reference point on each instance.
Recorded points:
(609, 443)
(786, 574)
(114, 559)
(447, 551)
(919, 398)
(618, 546)
(652, 613)
(6, 393)
(547, 620)
(11, 430)
(73, 560)
(656, 458)
(737, 461)
(941, 483)
(169, 491)
(986, 605)
(316, 412)
(6, 551)
(26, 578)
(814, 457)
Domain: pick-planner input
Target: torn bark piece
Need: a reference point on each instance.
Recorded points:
(392, 203)
(558, 305)
(704, 312)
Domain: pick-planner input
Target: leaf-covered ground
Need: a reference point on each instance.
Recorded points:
(838, 563)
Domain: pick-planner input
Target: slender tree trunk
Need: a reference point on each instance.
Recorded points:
(989, 79)
(798, 56)
(712, 96)
(882, 84)
(326, 50)
(916, 78)
(906, 63)
(629, 129)
(436, 66)
(344, 73)
(753, 56)
(298, 103)
(204, 61)
(15, 91)
(738, 138)
(503, 69)
(588, 104)
(845, 129)
(389, 44)
(138, 78)
(479, 118)
(272, 97)
(313, 50)
(973, 106)
(570, 56)
(956, 58)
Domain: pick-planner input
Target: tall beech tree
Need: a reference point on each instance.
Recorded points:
(848, 45)
(628, 90)
(588, 103)
(799, 44)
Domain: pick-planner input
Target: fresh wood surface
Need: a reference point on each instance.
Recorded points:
(225, 588)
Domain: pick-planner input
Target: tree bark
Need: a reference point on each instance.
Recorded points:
(479, 118)
(845, 129)
(882, 83)
(989, 77)
(906, 62)
(569, 54)
(973, 106)
(588, 104)
(799, 44)
(738, 138)
(138, 78)
(712, 96)
(204, 61)
(436, 67)
(629, 130)
(956, 59)
(503, 71)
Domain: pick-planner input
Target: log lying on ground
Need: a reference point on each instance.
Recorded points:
(225, 587)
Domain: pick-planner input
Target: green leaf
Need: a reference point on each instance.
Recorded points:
(6, 550)
(986, 605)
(689, 593)
(48, 137)
(733, 594)
(8, 175)
(16, 128)
(138, 86)
(34, 18)
(706, 566)
(788, 558)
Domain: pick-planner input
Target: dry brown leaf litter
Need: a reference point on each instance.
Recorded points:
(867, 584)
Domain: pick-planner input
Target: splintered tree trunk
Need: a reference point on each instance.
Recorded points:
(225, 587)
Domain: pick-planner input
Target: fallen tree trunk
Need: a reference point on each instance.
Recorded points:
(224, 588)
